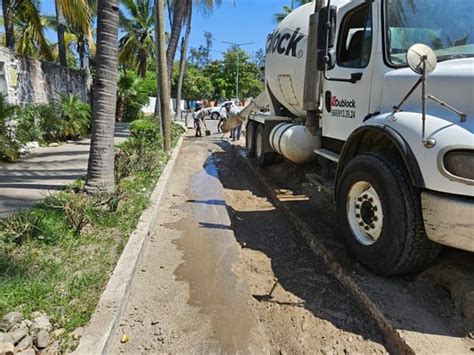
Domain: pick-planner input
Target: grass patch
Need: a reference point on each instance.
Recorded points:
(57, 256)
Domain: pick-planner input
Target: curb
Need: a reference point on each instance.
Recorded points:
(97, 335)
(394, 340)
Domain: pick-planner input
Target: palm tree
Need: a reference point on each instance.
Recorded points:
(128, 88)
(184, 50)
(137, 45)
(79, 37)
(286, 10)
(61, 30)
(100, 175)
(71, 15)
(30, 34)
(162, 77)
(76, 13)
(8, 23)
(179, 9)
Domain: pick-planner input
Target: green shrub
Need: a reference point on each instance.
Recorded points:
(145, 129)
(176, 131)
(133, 157)
(9, 145)
(132, 96)
(142, 152)
(28, 128)
(50, 123)
(75, 116)
(67, 118)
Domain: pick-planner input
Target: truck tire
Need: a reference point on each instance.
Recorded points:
(262, 158)
(250, 139)
(379, 213)
(215, 116)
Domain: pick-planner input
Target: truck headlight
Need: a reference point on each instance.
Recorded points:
(460, 163)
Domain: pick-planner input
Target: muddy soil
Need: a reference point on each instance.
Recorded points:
(301, 307)
(225, 272)
(433, 310)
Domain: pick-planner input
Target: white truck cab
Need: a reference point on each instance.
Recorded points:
(340, 88)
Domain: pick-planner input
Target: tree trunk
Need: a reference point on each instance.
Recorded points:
(119, 110)
(178, 16)
(81, 50)
(170, 11)
(158, 117)
(142, 63)
(164, 82)
(182, 64)
(61, 29)
(101, 159)
(8, 22)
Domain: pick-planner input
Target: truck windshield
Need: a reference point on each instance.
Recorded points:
(447, 26)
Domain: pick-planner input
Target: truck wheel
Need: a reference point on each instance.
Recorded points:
(379, 213)
(215, 116)
(262, 158)
(250, 139)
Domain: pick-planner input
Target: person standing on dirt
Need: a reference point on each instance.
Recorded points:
(200, 119)
(197, 121)
(230, 113)
(222, 118)
(236, 132)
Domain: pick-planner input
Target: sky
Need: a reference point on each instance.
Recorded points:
(238, 21)
(245, 22)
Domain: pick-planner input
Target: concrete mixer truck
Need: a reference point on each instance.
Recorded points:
(384, 91)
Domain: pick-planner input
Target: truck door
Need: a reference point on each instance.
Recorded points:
(346, 104)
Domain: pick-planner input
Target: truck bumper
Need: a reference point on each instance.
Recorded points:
(449, 219)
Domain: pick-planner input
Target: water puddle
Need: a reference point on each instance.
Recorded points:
(210, 251)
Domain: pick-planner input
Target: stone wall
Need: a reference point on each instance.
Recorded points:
(25, 80)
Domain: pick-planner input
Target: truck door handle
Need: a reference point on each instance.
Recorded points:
(355, 77)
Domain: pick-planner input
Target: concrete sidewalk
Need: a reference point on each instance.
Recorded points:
(45, 171)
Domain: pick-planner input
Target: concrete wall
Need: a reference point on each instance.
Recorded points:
(25, 80)
(150, 108)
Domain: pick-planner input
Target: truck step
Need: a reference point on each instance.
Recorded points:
(322, 184)
(328, 155)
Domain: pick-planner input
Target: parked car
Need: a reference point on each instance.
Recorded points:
(216, 112)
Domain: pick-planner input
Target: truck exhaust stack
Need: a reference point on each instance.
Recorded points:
(312, 80)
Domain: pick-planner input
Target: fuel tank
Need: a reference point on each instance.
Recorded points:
(294, 142)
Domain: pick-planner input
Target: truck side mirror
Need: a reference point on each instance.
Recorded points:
(327, 30)
(421, 59)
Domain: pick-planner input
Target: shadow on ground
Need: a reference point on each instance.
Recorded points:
(296, 268)
(433, 302)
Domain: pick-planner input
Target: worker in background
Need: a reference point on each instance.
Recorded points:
(236, 131)
(222, 118)
(197, 121)
(200, 118)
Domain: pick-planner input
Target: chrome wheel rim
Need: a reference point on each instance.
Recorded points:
(365, 213)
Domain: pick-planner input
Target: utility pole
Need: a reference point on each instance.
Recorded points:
(237, 81)
(163, 81)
